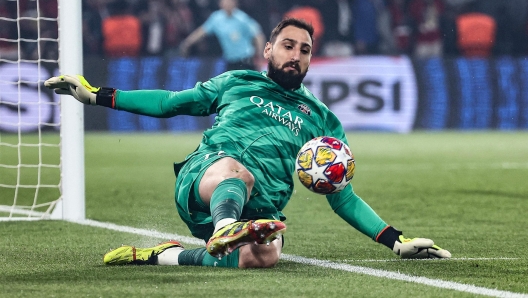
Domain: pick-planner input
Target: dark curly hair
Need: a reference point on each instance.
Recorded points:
(301, 24)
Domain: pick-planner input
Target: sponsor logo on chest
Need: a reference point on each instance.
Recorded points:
(278, 113)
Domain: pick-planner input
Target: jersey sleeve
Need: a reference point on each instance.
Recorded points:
(209, 24)
(202, 100)
(356, 212)
(346, 203)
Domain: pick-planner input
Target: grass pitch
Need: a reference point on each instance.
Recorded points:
(467, 191)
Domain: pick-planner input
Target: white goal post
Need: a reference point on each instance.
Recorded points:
(72, 115)
(68, 201)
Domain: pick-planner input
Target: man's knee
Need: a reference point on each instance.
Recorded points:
(223, 169)
(245, 176)
(231, 168)
(260, 256)
(271, 260)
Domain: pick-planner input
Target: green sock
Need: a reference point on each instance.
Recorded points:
(192, 257)
(200, 257)
(228, 199)
(231, 261)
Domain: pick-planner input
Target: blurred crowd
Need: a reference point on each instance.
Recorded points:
(418, 28)
(28, 29)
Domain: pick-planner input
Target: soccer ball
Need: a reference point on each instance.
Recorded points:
(325, 165)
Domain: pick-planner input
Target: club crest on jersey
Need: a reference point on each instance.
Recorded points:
(305, 109)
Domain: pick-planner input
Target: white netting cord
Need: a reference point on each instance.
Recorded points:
(14, 54)
(29, 122)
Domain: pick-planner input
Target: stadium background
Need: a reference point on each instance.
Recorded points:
(458, 178)
(388, 85)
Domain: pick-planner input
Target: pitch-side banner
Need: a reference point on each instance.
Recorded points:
(367, 93)
(374, 93)
(25, 104)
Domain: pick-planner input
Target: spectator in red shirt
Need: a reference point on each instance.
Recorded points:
(426, 15)
(401, 26)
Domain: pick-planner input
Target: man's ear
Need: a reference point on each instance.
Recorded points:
(267, 50)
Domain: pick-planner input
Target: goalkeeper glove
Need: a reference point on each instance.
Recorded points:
(419, 248)
(407, 248)
(78, 87)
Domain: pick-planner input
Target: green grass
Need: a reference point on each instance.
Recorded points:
(467, 191)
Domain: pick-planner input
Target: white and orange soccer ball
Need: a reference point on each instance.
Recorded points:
(325, 165)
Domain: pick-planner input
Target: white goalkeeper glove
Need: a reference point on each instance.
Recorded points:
(76, 86)
(419, 248)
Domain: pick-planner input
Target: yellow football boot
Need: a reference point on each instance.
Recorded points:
(240, 233)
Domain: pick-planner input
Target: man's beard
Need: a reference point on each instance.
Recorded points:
(286, 79)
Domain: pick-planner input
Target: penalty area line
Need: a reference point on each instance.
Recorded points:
(438, 283)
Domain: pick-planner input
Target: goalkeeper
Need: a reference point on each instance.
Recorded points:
(231, 191)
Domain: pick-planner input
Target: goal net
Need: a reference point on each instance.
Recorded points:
(38, 178)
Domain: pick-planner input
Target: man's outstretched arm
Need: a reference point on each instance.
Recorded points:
(155, 103)
(360, 215)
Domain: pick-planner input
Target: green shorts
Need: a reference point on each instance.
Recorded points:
(194, 212)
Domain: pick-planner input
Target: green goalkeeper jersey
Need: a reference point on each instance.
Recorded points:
(264, 126)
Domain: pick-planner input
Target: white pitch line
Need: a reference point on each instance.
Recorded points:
(427, 260)
(142, 232)
(438, 283)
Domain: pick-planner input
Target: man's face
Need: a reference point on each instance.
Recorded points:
(227, 5)
(289, 57)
